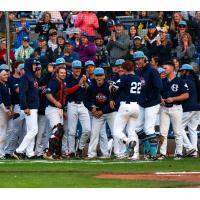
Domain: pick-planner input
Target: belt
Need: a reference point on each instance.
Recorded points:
(169, 105)
(128, 102)
(76, 102)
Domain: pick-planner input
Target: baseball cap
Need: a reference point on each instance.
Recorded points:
(138, 54)
(4, 67)
(23, 14)
(60, 61)
(118, 23)
(26, 38)
(89, 62)
(68, 42)
(119, 62)
(98, 37)
(21, 66)
(182, 23)
(35, 61)
(41, 38)
(160, 70)
(77, 64)
(99, 71)
(75, 30)
(84, 34)
(137, 37)
(186, 67)
(110, 23)
(152, 25)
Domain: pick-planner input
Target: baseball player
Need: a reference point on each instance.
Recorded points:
(56, 100)
(174, 92)
(29, 103)
(97, 102)
(126, 118)
(77, 110)
(149, 103)
(191, 110)
(5, 107)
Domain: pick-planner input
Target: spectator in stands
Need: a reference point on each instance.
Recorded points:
(43, 26)
(177, 17)
(102, 56)
(186, 50)
(69, 54)
(85, 49)
(22, 29)
(52, 43)
(155, 62)
(3, 52)
(132, 32)
(197, 38)
(118, 45)
(24, 51)
(162, 47)
(177, 63)
(110, 28)
(87, 22)
(59, 51)
(74, 36)
(43, 52)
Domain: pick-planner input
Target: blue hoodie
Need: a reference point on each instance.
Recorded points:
(28, 87)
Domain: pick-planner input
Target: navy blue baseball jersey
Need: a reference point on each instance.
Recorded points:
(174, 88)
(191, 104)
(99, 97)
(151, 85)
(129, 87)
(79, 95)
(14, 84)
(5, 95)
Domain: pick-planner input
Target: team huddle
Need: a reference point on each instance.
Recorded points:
(40, 113)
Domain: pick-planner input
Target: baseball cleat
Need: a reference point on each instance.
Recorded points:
(104, 157)
(48, 157)
(178, 157)
(162, 157)
(18, 156)
(190, 152)
(135, 157)
(90, 158)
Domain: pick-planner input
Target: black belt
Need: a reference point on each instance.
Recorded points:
(169, 105)
(129, 102)
(76, 102)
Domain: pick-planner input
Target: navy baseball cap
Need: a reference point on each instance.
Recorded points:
(182, 23)
(60, 61)
(36, 62)
(119, 62)
(89, 62)
(152, 25)
(84, 34)
(42, 38)
(138, 55)
(110, 23)
(4, 67)
(77, 64)
(23, 14)
(26, 38)
(118, 23)
(186, 67)
(99, 71)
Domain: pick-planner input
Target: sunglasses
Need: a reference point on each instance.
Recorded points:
(182, 26)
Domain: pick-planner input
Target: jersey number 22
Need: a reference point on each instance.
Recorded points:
(135, 88)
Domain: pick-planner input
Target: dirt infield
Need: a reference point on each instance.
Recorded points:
(161, 176)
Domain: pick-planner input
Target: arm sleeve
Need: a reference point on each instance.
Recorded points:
(78, 20)
(123, 44)
(157, 80)
(51, 88)
(91, 50)
(23, 88)
(72, 89)
(89, 99)
(96, 22)
(184, 87)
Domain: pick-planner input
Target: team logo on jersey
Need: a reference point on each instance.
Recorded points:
(142, 81)
(186, 86)
(174, 87)
(35, 84)
(101, 98)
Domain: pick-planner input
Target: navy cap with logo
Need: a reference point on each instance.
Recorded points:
(118, 23)
(84, 34)
(41, 38)
(152, 25)
(23, 14)
(26, 38)
(110, 23)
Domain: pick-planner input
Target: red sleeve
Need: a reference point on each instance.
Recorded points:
(96, 22)
(78, 20)
(72, 89)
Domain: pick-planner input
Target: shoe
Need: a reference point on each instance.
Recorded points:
(18, 156)
(162, 157)
(2, 158)
(153, 158)
(32, 157)
(8, 156)
(39, 157)
(79, 153)
(135, 157)
(90, 158)
(190, 152)
(178, 157)
(48, 157)
(104, 157)
(131, 147)
(122, 157)
(71, 156)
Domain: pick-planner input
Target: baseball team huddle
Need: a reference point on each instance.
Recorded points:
(39, 114)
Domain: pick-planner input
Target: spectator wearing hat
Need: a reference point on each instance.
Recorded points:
(22, 29)
(87, 22)
(59, 51)
(73, 36)
(69, 54)
(43, 26)
(44, 53)
(102, 56)
(3, 52)
(186, 50)
(110, 28)
(52, 42)
(162, 47)
(118, 45)
(85, 49)
(24, 51)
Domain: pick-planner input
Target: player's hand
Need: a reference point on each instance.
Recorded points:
(93, 110)
(146, 38)
(9, 114)
(65, 115)
(169, 100)
(162, 103)
(112, 104)
(50, 68)
(27, 111)
(17, 90)
(98, 114)
(58, 104)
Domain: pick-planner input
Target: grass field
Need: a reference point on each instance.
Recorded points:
(81, 174)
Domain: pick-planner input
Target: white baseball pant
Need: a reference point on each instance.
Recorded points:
(190, 120)
(147, 119)
(173, 114)
(77, 112)
(28, 142)
(97, 125)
